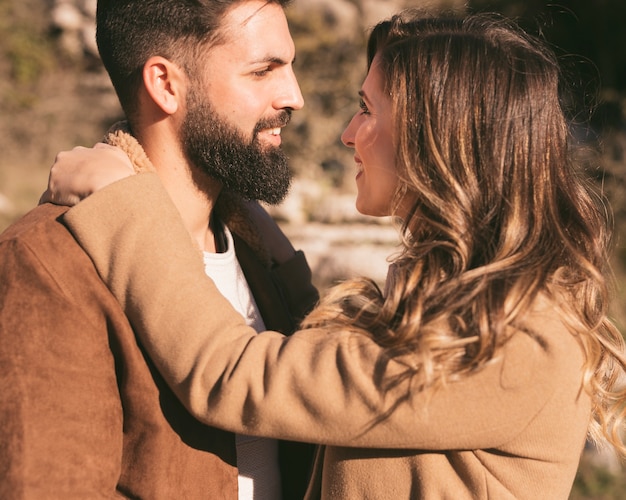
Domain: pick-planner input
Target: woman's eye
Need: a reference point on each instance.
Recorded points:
(363, 107)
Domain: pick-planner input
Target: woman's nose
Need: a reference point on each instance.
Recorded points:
(347, 137)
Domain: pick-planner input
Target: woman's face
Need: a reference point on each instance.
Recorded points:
(370, 135)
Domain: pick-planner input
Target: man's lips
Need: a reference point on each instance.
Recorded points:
(268, 131)
(270, 135)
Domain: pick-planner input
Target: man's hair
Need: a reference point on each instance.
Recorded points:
(129, 32)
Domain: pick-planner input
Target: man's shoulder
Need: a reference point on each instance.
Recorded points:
(42, 233)
(42, 221)
(39, 250)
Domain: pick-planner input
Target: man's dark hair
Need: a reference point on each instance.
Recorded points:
(129, 32)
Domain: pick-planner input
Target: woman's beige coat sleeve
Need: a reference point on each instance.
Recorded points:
(334, 388)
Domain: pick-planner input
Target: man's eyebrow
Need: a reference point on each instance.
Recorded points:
(273, 60)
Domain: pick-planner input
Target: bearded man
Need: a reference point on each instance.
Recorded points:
(206, 87)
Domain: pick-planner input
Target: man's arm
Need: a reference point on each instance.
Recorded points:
(60, 415)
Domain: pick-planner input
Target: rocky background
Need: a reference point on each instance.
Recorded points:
(55, 95)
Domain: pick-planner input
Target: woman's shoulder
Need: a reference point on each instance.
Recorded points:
(548, 327)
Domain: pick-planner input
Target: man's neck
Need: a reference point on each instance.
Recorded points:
(195, 204)
(194, 197)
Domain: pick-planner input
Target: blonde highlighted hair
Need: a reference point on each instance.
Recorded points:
(501, 215)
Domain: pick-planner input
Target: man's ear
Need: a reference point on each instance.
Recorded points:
(164, 81)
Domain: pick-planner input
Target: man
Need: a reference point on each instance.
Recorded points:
(206, 87)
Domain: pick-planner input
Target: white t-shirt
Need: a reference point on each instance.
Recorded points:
(257, 458)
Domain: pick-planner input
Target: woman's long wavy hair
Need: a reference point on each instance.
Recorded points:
(501, 215)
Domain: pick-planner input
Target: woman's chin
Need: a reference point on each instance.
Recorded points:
(372, 213)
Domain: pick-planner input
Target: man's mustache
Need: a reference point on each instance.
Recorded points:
(280, 120)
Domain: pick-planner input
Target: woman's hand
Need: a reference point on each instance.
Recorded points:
(77, 173)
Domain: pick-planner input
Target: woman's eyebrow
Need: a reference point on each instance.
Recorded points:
(363, 95)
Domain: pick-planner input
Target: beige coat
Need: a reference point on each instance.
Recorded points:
(515, 429)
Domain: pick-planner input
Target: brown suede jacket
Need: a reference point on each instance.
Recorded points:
(512, 430)
(83, 412)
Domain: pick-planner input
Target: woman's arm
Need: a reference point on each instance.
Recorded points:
(319, 386)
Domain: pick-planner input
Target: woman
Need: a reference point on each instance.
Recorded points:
(489, 358)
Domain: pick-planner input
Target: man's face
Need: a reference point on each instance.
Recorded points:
(233, 123)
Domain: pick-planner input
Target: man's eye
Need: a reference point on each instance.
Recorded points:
(262, 72)
(363, 107)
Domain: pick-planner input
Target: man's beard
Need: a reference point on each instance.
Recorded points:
(220, 151)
